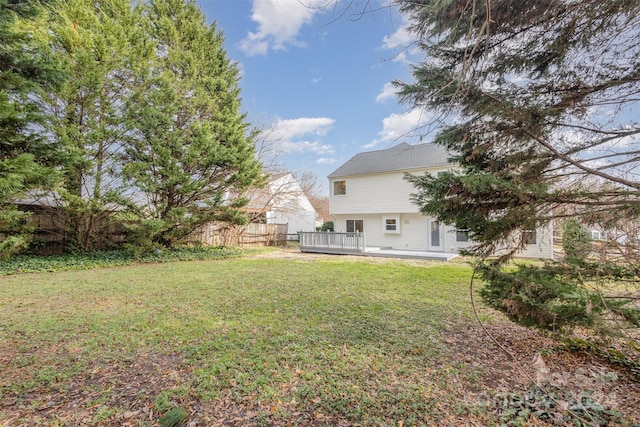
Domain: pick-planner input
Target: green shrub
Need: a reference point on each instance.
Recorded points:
(548, 297)
(576, 241)
(12, 245)
(327, 226)
(141, 236)
(559, 296)
(100, 259)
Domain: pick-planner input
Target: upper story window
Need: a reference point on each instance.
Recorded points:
(339, 188)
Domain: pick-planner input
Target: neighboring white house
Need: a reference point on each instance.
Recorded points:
(282, 201)
(368, 193)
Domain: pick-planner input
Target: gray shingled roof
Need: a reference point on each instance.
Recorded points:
(400, 157)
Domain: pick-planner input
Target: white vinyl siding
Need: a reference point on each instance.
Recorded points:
(376, 198)
(412, 234)
(543, 248)
(377, 193)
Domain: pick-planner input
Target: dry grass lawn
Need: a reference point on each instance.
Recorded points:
(284, 338)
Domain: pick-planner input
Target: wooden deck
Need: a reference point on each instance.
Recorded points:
(332, 243)
(355, 244)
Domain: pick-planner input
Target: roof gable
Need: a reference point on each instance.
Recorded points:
(400, 157)
(282, 191)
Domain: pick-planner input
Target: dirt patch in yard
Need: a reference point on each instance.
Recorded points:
(127, 392)
(105, 392)
(293, 253)
(525, 367)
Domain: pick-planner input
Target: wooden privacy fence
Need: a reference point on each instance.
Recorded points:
(217, 234)
(53, 232)
(330, 242)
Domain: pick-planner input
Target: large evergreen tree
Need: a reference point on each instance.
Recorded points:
(105, 43)
(542, 97)
(27, 158)
(191, 151)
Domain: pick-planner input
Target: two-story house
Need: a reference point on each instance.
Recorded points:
(369, 194)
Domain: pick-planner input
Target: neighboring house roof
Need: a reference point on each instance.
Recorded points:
(42, 201)
(400, 157)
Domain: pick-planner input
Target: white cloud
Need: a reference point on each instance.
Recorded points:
(388, 92)
(291, 135)
(305, 146)
(400, 126)
(401, 41)
(253, 45)
(327, 161)
(316, 76)
(291, 128)
(279, 22)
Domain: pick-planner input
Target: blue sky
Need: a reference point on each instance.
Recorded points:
(317, 73)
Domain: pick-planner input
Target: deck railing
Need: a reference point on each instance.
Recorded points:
(330, 242)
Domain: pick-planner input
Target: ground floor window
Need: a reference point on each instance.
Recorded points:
(391, 224)
(530, 237)
(354, 225)
(462, 235)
